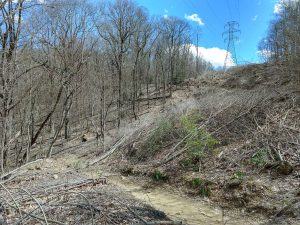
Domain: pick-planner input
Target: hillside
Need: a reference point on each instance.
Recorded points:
(225, 145)
(136, 112)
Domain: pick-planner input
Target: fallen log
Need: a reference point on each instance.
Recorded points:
(110, 151)
(14, 173)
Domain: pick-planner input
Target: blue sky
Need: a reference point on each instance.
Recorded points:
(252, 15)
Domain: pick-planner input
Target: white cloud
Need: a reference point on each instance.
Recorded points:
(195, 18)
(254, 18)
(215, 56)
(166, 11)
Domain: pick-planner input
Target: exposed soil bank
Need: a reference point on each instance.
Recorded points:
(179, 208)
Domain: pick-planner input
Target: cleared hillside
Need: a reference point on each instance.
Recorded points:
(227, 143)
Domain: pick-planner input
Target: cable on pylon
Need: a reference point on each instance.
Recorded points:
(232, 28)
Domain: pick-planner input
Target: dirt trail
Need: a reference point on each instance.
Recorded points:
(178, 208)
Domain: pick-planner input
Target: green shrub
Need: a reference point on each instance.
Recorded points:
(260, 158)
(159, 176)
(158, 138)
(205, 191)
(199, 140)
(190, 122)
(239, 175)
(201, 186)
(185, 162)
(196, 182)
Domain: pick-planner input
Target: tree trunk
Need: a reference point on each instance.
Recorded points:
(67, 106)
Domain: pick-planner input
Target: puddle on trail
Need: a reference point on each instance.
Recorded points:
(178, 208)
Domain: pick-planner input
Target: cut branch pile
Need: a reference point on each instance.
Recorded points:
(266, 126)
(265, 120)
(80, 202)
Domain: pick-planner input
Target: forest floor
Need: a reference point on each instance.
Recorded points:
(250, 177)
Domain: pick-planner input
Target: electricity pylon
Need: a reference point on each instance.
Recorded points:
(232, 28)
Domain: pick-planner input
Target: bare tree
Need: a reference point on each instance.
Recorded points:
(174, 32)
(67, 65)
(63, 38)
(119, 24)
(140, 39)
(13, 71)
(283, 39)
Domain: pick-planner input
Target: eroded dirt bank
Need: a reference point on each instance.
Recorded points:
(192, 211)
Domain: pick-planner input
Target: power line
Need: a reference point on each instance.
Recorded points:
(232, 28)
(238, 9)
(192, 7)
(213, 11)
(229, 10)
